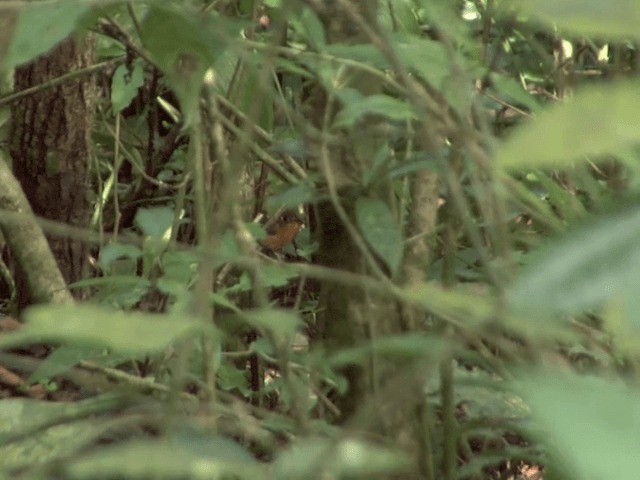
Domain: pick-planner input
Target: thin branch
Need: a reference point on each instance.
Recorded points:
(54, 82)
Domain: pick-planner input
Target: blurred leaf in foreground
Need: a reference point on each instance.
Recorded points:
(599, 120)
(583, 269)
(125, 332)
(591, 427)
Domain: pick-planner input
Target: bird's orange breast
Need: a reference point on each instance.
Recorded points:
(281, 235)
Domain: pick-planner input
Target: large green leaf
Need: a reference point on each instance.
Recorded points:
(125, 332)
(184, 45)
(155, 221)
(380, 229)
(588, 266)
(610, 18)
(33, 433)
(125, 84)
(350, 458)
(62, 360)
(592, 427)
(426, 58)
(598, 120)
(218, 458)
(40, 27)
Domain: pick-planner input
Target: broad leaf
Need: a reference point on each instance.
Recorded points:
(350, 458)
(584, 268)
(598, 120)
(611, 18)
(62, 360)
(125, 85)
(184, 45)
(380, 105)
(125, 332)
(116, 251)
(34, 433)
(281, 323)
(592, 427)
(155, 222)
(40, 27)
(379, 228)
(220, 458)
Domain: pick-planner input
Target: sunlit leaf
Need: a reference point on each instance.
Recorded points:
(154, 459)
(126, 332)
(614, 18)
(584, 268)
(381, 230)
(346, 459)
(591, 426)
(598, 120)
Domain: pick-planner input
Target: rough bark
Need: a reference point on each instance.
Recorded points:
(50, 146)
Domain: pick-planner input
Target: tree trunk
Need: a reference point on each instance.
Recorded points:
(50, 146)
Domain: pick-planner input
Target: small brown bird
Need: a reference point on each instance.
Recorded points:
(282, 231)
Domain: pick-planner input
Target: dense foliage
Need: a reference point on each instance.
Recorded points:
(461, 304)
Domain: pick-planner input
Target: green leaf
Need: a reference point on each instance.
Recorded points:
(156, 459)
(40, 27)
(363, 53)
(116, 251)
(583, 269)
(34, 433)
(380, 230)
(312, 27)
(231, 378)
(427, 58)
(125, 85)
(350, 458)
(398, 346)
(184, 45)
(381, 105)
(274, 276)
(180, 266)
(117, 291)
(400, 15)
(62, 360)
(599, 120)
(125, 332)
(613, 18)
(281, 323)
(154, 222)
(592, 427)
(295, 195)
(514, 92)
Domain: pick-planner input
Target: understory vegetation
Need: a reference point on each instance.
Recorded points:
(319, 239)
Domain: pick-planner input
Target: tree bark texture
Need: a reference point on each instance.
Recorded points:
(50, 146)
